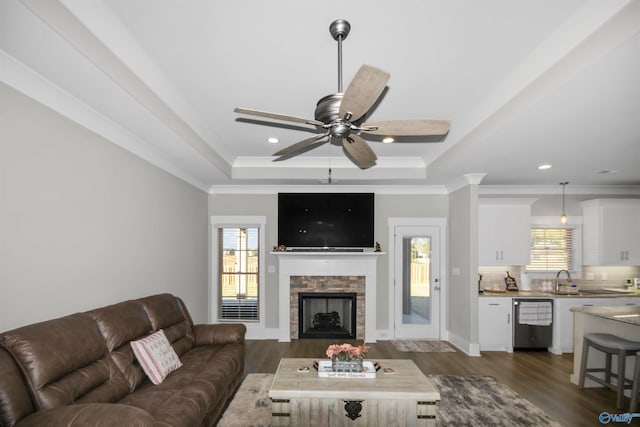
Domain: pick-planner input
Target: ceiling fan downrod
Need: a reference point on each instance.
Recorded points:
(339, 30)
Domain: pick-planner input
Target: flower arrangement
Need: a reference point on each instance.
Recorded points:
(347, 352)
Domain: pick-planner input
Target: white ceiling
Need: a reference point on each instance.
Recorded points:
(523, 82)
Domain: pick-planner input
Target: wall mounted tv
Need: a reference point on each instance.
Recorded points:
(325, 220)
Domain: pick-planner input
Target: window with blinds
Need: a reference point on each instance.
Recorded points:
(238, 277)
(552, 249)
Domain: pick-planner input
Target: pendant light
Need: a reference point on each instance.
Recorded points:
(563, 217)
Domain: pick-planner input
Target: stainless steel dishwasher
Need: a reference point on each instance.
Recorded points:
(532, 323)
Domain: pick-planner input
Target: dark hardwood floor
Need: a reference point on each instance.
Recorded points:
(538, 376)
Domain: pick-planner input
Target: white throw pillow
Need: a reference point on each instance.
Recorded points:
(156, 356)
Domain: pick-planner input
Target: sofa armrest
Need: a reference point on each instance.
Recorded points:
(220, 333)
(93, 414)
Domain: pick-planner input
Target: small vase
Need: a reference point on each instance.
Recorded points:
(346, 365)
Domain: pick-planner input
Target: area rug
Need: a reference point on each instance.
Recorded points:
(464, 401)
(251, 406)
(421, 346)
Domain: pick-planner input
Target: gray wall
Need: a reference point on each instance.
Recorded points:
(386, 206)
(463, 259)
(399, 206)
(84, 223)
(254, 205)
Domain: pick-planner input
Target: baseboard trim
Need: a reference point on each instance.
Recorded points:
(468, 348)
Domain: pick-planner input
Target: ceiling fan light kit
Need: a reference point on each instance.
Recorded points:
(338, 115)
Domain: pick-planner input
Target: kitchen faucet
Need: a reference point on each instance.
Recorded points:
(558, 277)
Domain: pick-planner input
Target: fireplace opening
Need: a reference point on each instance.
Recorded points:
(327, 315)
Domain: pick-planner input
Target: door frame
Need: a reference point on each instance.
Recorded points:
(440, 223)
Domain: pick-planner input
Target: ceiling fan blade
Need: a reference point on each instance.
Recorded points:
(277, 116)
(363, 91)
(359, 151)
(407, 127)
(300, 147)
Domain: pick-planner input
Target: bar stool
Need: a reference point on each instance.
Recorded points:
(636, 385)
(610, 345)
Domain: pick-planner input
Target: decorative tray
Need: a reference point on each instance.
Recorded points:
(325, 371)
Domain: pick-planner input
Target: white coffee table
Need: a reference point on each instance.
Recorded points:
(403, 398)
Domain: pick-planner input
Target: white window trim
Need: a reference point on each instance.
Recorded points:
(554, 222)
(255, 329)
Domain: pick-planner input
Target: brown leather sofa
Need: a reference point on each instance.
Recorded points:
(80, 370)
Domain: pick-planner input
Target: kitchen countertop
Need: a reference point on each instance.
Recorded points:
(624, 314)
(551, 294)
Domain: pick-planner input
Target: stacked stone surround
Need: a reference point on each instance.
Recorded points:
(326, 284)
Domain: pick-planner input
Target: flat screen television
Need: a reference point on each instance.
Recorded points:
(325, 220)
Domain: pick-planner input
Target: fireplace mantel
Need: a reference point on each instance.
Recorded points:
(326, 264)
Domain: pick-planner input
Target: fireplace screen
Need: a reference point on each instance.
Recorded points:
(327, 315)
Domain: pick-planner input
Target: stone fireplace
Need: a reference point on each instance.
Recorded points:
(329, 272)
(342, 295)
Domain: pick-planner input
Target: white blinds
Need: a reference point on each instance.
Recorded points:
(552, 249)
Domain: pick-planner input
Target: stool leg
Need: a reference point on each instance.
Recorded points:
(621, 371)
(607, 368)
(583, 362)
(636, 386)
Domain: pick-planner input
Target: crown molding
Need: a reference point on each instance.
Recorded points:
(497, 190)
(317, 168)
(329, 188)
(28, 82)
(463, 181)
(605, 190)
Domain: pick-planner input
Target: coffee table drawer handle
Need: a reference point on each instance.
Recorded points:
(353, 408)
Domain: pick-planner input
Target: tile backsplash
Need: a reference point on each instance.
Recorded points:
(493, 277)
(591, 277)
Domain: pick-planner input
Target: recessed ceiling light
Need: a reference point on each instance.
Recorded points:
(388, 139)
(606, 171)
(544, 167)
(273, 140)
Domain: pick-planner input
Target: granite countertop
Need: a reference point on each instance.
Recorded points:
(551, 294)
(624, 314)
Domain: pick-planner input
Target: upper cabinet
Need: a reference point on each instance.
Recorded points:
(504, 231)
(611, 232)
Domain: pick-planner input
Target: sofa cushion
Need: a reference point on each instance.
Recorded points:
(64, 361)
(167, 312)
(15, 402)
(120, 324)
(156, 356)
(91, 415)
(206, 381)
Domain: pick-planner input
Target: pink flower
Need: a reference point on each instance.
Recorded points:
(347, 348)
(333, 350)
(359, 351)
(346, 351)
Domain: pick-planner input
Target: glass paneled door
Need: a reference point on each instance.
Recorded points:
(417, 284)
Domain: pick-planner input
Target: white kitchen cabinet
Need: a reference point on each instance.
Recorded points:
(563, 318)
(504, 231)
(495, 327)
(627, 301)
(611, 232)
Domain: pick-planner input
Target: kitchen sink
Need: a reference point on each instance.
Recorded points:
(577, 294)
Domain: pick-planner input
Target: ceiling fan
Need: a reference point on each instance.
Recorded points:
(338, 115)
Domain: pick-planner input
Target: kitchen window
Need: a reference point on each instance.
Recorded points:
(553, 249)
